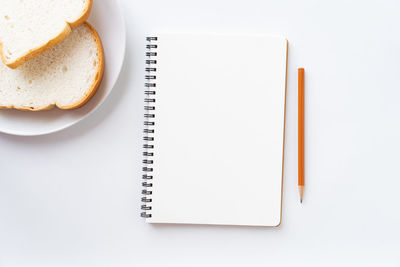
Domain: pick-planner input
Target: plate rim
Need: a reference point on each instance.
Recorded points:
(63, 127)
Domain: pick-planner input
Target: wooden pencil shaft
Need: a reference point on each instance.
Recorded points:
(301, 127)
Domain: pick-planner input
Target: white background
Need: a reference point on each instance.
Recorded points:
(72, 198)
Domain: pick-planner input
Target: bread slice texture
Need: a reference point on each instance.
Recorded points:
(28, 28)
(66, 76)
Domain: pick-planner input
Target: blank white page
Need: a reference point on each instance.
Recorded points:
(219, 129)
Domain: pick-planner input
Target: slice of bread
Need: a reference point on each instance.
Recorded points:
(30, 27)
(66, 76)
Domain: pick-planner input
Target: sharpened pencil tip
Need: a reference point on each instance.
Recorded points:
(301, 188)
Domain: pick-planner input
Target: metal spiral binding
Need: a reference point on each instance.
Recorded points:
(148, 131)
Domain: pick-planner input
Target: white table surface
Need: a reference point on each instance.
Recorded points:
(72, 198)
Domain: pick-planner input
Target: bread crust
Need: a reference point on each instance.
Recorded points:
(69, 26)
(90, 93)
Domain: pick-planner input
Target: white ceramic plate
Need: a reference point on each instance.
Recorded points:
(107, 18)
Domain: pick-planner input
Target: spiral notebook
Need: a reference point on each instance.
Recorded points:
(214, 129)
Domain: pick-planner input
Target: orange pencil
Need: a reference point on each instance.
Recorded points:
(301, 133)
